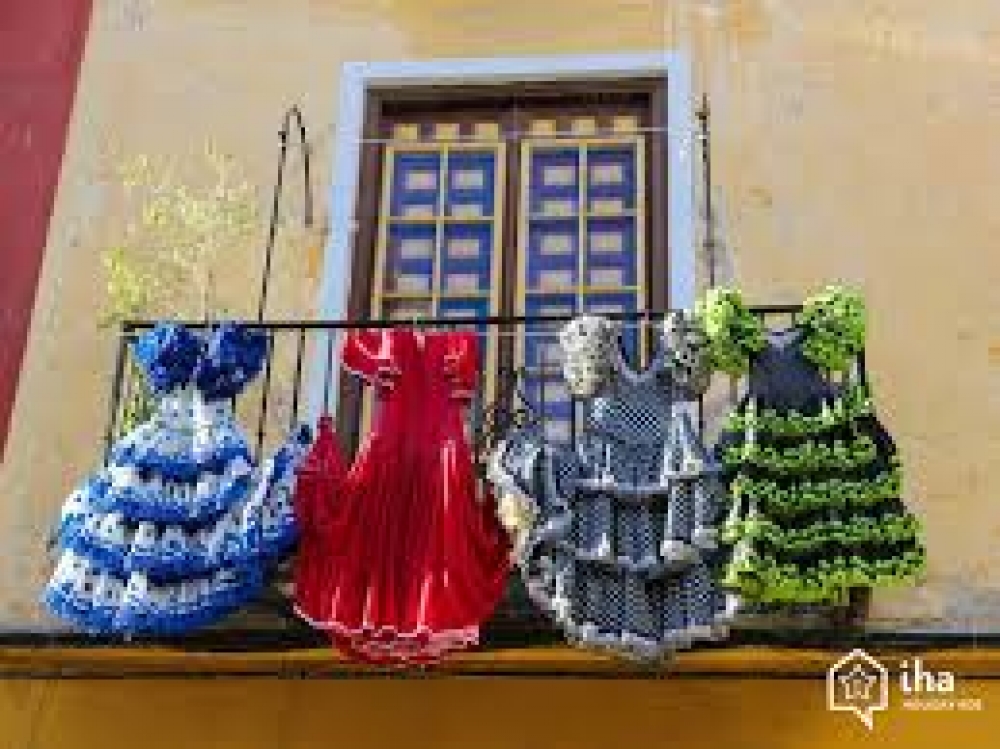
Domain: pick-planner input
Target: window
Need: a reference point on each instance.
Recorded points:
(528, 200)
(581, 242)
(438, 243)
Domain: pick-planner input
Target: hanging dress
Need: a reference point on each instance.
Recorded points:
(318, 482)
(814, 478)
(174, 532)
(412, 559)
(620, 543)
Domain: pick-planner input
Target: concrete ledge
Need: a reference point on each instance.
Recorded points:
(547, 662)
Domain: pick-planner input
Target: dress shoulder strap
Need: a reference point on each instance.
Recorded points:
(734, 334)
(168, 355)
(833, 328)
(586, 345)
(686, 354)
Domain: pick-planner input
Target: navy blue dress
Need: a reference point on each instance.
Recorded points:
(815, 484)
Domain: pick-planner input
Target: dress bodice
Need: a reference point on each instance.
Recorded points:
(634, 412)
(234, 355)
(168, 355)
(415, 373)
(782, 377)
(645, 413)
(218, 366)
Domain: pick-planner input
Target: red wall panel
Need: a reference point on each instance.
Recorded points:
(41, 45)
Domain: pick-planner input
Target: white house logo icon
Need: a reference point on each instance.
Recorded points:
(858, 684)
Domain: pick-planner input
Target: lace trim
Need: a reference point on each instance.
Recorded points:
(386, 642)
(610, 485)
(675, 556)
(625, 644)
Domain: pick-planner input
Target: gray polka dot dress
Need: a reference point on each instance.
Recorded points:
(621, 548)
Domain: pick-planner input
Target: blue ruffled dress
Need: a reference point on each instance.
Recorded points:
(176, 531)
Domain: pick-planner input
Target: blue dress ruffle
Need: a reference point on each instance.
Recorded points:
(176, 531)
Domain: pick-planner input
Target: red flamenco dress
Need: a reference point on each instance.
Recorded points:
(400, 559)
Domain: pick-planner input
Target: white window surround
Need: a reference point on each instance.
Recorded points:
(358, 78)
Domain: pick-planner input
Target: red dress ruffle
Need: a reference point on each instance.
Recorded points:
(400, 559)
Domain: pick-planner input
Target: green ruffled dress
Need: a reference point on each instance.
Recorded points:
(814, 478)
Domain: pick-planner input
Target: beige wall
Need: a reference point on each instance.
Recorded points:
(853, 147)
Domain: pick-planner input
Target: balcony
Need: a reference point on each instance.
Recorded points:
(522, 382)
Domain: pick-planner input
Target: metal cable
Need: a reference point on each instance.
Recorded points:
(330, 130)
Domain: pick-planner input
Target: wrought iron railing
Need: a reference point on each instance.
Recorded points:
(283, 379)
(284, 397)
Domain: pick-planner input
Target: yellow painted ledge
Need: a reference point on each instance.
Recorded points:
(744, 661)
(764, 698)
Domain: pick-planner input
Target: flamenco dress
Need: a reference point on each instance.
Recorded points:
(401, 559)
(814, 480)
(175, 531)
(620, 548)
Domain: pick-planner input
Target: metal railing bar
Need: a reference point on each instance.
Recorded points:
(272, 232)
(265, 391)
(449, 322)
(297, 377)
(328, 372)
(116, 391)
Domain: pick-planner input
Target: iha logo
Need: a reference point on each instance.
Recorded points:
(914, 679)
(859, 684)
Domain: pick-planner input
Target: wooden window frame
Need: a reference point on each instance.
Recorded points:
(646, 94)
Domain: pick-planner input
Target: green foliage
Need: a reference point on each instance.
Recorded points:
(177, 235)
(129, 288)
(734, 334)
(139, 403)
(166, 262)
(834, 325)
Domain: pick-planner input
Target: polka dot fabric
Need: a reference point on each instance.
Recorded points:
(622, 552)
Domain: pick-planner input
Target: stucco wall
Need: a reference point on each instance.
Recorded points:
(41, 44)
(459, 713)
(848, 146)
